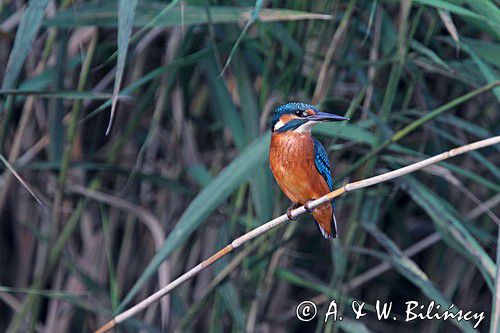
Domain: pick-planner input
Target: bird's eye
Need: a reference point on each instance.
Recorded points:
(300, 113)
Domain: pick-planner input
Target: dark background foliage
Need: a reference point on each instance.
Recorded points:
(184, 169)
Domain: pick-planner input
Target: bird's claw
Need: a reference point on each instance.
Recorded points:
(289, 215)
(307, 208)
(289, 212)
(295, 206)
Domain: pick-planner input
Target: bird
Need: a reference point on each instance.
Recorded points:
(299, 162)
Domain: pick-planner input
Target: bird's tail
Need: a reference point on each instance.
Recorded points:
(324, 216)
(323, 231)
(334, 225)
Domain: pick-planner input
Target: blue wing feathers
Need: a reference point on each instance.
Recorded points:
(323, 165)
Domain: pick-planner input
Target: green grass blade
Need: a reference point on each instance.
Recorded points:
(489, 74)
(495, 318)
(28, 28)
(261, 191)
(200, 174)
(56, 107)
(228, 180)
(282, 35)
(453, 8)
(451, 228)
(11, 169)
(185, 61)
(46, 78)
(126, 11)
(62, 94)
(224, 104)
(419, 47)
(410, 270)
(294, 279)
(254, 17)
(54, 294)
(489, 165)
(103, 14)
(438, 111)
(484, 22)
(158, 180)
(486, 8)
(489, 51)
(230, 298)
(145, 28)
(113, 286)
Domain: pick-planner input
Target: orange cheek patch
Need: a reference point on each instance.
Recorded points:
(310, 112)
(286, 118)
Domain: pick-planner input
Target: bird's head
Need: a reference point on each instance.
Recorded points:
(300, 117)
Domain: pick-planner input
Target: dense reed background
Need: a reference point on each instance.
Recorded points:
(184, 169)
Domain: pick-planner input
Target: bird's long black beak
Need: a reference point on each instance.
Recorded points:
(323, 116)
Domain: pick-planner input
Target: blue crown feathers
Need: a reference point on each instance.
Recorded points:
(290, 108)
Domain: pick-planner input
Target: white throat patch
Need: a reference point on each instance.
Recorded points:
(278, 125)
(306, 127)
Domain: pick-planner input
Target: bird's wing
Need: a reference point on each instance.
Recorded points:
(323, 165)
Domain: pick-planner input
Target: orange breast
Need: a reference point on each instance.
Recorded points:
(292, 163)
(291, 158)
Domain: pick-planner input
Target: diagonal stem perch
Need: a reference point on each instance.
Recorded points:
(294, 213)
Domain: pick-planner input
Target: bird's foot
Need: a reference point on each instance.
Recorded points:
(307, 208)
(289, 212)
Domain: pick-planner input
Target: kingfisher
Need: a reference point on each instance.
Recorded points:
(299, 162)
